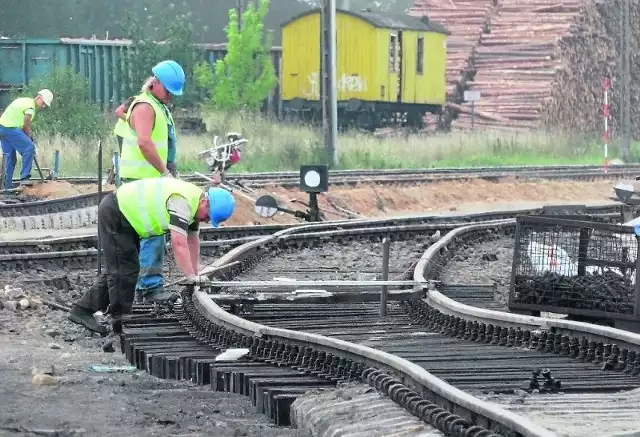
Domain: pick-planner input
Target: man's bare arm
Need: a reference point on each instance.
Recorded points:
(181, 252)
(27, 125)
(193, 241)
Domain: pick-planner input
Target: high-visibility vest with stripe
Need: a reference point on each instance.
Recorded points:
(122, 128)
(144, 203)
(133, 164)
(13, 116)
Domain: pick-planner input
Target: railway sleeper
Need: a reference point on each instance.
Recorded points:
(274, 373)
(610, 357)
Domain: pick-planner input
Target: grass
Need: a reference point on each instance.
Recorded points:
(282, 146)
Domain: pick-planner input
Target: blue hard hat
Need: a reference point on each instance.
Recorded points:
(171, 76)
(221, 205)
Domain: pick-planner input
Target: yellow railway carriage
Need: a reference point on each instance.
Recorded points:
(386, 65)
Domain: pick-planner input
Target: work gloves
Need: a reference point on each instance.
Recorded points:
(197, 279)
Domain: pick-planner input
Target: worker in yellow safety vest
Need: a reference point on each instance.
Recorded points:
(16, 137)
(148, 151)
(122, 127)
(137, 210)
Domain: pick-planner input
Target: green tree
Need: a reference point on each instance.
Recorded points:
(72, 114)
(144, 53)
(246, 75)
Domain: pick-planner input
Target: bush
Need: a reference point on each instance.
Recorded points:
(246, 75)
(72, 114)
(144, 53)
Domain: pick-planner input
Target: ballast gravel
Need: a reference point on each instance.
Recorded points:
(48, 389)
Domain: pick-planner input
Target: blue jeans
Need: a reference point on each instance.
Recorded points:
(14, 140)
(151, 260)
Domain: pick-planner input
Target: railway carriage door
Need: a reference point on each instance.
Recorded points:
(400, 68)
(392, 75)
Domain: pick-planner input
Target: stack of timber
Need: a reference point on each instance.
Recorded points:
(466, 20)
(518, 61)
(591, 53)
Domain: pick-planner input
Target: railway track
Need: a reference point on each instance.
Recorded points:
(296, 345)
(462, 172)
(479, 358)
(85, 243)
(12, 206)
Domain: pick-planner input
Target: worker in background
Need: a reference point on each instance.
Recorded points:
(122, 126)
(148, 151)
(15, 134)
(138, 210)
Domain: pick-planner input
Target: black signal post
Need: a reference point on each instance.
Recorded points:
(314, 179)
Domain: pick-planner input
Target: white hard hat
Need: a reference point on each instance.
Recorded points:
(47, 96)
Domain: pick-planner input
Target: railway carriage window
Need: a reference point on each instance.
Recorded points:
(393, 42)
(420, 56)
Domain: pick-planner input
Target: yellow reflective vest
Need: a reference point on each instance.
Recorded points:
(144, 203)
(133, 164)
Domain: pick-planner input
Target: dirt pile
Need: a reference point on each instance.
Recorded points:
(449, 196)
(58, 189)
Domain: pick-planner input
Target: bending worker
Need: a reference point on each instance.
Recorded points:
(15, 134)
(143, 209)
(148, 151)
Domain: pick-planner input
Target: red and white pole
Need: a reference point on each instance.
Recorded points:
(605, 110)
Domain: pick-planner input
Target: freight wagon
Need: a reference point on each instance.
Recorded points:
(100, 61)
(386, 65)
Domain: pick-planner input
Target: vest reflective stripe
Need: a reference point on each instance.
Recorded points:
(144, 203)
(133, 164)
(13, 115)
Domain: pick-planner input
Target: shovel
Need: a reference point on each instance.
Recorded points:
(35, 160)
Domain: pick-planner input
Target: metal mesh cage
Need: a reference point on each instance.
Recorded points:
(572, 266)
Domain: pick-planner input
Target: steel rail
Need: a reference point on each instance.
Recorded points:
(608, 211)
(413, 376)
(251, 176)
(573, 331)
(31, 208)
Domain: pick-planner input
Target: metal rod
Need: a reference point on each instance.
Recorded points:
(333, 99)
(3, 170)
(622, 78)
(627, 80)
(328, 87)
(329, 283)
(116, 168)
(386, 247)
(636, 308)
(226, 187)
(99, 199)
(206, 271)
(473, 113)
(56, 164)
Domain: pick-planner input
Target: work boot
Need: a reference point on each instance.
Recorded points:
(85, 318)
(161, 296)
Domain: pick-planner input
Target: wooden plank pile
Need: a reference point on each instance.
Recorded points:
(466, 20)
(517, 63)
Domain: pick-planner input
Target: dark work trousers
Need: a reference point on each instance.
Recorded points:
(121, 247)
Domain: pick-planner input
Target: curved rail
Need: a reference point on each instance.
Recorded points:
(442, 304)
(415, 385)
(416, 378)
